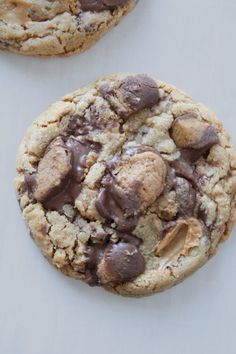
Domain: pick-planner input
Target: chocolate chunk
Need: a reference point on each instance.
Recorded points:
(107, 92)
(193, 136)
(208, 139)
(101, 5)
(202, 214)
(184, 166)
(117, 205)
(170, 179)
(68, 188)
(186, 197)
(195, 152)
(72, 189)
(122, 262)
(116, 103)
(131, 96)
(184, 169)
(139, 92)
(51, 173)
(93, 254)
(182, 179)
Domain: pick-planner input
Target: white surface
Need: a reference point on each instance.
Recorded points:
(190, 43)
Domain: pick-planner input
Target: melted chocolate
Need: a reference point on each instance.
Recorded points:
(186, 197)
(185, 169)
(117, 205)
(138, 92)
(70, 187)
(101, 5)
(114, 203)
(184, 166)
(186, 184)
(124, 262)
(208, 139)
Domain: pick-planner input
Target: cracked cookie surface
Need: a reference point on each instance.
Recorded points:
(127, 184)
(46, 27)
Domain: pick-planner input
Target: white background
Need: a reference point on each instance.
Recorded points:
(189, 43)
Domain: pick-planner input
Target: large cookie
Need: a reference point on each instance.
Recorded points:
(59, 27)
(127, 184)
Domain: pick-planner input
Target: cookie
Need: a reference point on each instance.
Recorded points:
(59, 27)
(127, 184)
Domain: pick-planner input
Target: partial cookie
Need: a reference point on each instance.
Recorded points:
(127, 184)
(59, 27)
